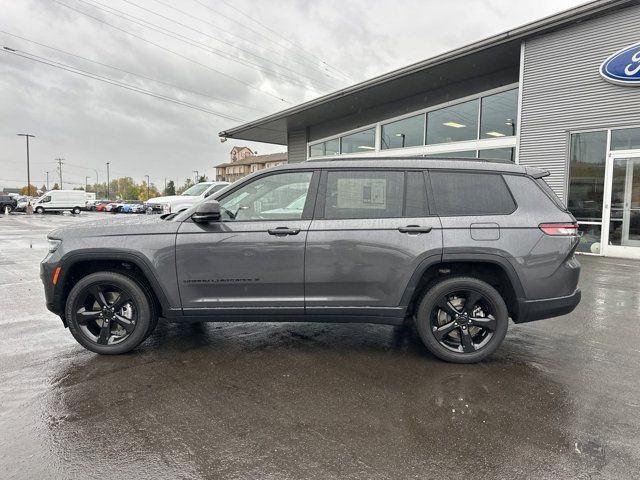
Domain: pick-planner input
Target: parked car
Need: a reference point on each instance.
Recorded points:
(61, 200)
(100, 206)
(22, 203)
(130, 206)
(92, 204)
(7, 203)
(186, 199)
(458, 247)
(113, 206)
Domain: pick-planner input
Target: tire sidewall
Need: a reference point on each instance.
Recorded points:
(39, 210)
(142, 303)
(423, 318)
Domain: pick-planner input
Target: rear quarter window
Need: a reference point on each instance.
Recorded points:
(471, 193)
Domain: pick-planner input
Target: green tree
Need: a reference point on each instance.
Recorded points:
(153, 192)
(203, 178)
(188, 183)
(56, 187)
(171, 188)
(43, 188)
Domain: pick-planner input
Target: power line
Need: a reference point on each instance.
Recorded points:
(302, 61)
(231, 57)
(111, 81)
(265, 36)
(133, 74)
(171, 51)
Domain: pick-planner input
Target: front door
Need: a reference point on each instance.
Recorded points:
(253, 259)
(623, 207)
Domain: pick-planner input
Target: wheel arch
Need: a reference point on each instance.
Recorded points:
(492, 269)
(79, 265)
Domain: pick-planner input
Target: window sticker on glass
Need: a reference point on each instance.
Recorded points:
(362, 193)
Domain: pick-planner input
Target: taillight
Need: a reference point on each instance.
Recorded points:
(559, 228)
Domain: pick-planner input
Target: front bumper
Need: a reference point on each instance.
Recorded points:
(530, 310)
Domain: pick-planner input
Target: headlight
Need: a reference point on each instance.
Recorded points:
(54, 243)
(166, 208)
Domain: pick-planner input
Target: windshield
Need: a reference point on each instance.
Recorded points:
(196, 190)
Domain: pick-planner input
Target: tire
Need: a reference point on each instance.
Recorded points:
(470, 334)
(76, 210)
(92, 333)
(40, 210)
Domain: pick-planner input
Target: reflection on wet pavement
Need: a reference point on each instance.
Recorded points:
(560, 399)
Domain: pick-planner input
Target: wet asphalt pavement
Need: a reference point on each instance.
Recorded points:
(560, 398)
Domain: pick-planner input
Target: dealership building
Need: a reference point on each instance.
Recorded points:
(559, 93)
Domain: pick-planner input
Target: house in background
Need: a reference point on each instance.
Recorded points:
(244, 161)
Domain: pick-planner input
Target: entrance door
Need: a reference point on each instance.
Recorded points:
(623, 233)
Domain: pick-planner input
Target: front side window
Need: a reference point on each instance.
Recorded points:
(586, 175)
(364, 194)
(273, 197)
(470, 193)
(453, 124)
(498, 115)
(408, 132)
(45, 199)
(359, 142)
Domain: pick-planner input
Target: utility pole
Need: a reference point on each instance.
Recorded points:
(165, 186)
(60, 163)
(107, 180)
(197, 175)
(47, 181)
(147, 186)
(27, 136)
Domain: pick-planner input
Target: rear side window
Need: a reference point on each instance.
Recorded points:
(364, 194)
(470, 193)
(416, 197)
(550, 193)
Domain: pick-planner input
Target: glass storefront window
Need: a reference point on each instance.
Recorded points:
(625, 139)
(359, 142)
(463, 154)
(586, 175)
(408, 132)
(590, 239)
(498, 154)
(330, 147)
(498, 115)
(453, 124)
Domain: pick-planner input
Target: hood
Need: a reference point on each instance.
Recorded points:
(169, 199)
(117, 226)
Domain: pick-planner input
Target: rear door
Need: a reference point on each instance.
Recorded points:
(371, 230)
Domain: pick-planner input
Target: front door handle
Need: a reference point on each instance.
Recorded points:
(414, 229)
(283, 231)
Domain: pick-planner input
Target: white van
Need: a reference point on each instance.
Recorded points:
(60, 200)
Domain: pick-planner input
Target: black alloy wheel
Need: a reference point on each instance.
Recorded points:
(462, 320)
(109, 313)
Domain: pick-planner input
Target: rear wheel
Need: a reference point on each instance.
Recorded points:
(109, 313)
(462, 320)
(76, 210)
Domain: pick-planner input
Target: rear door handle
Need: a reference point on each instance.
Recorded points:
(283, 231)
(414, 229)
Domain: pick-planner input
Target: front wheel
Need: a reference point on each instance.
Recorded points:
(462, 320)
(39, 210)
(76, 210)
(109, 313)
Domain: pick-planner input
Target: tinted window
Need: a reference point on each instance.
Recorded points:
(467, 193)
(453, 124)
(408, 132)
(499, 113)
(364, 194)
(274, 197)
(359, 142)
(416, 197)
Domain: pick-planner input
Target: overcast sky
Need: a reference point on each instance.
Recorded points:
(240, 59)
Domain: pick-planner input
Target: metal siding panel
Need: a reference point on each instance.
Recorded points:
(297, 146)
(563, 90)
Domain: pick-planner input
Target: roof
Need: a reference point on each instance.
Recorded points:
(413, 162)
(489, 55)
(251, 159)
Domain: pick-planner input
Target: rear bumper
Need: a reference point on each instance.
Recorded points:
(530, 310)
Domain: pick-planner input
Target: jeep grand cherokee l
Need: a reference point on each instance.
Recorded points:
(459, 247)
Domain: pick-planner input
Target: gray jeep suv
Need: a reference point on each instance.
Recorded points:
(459, 247)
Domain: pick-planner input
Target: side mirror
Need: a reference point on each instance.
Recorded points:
(207, 212)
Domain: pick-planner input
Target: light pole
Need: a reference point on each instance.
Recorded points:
(107, 180)
(47, 181)
(86, 184)
(27, 136)
(147, 186)
(197, 175)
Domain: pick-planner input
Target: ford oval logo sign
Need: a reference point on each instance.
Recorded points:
(623, 67)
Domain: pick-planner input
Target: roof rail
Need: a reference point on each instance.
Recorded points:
(338, 158)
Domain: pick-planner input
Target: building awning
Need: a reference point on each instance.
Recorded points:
(492, 54)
